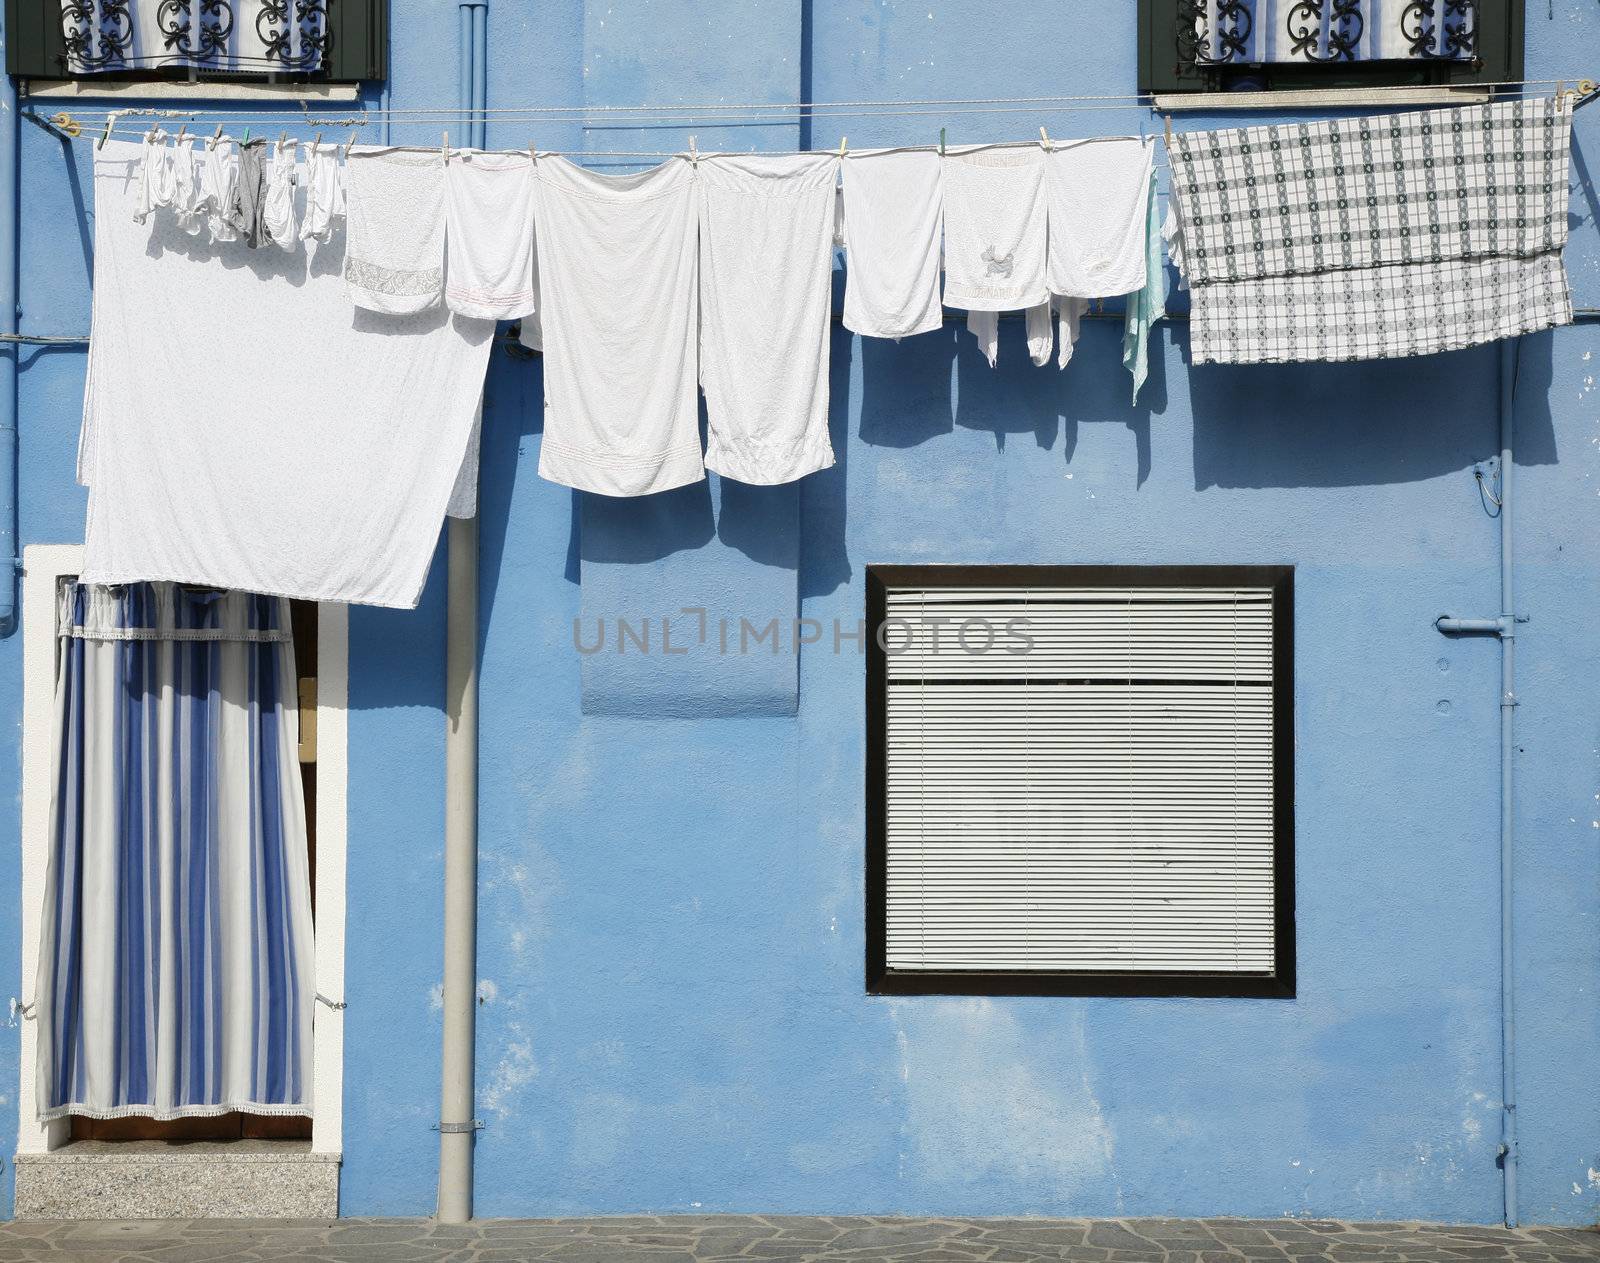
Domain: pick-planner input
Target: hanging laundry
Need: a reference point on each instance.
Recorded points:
(219, 180)
(186, 187)
(277, 209)
(995, 235)
(618, 294)
(249, 195)
(489, 235)
(154, 178)
(326, 483)
(1144, 307)
(394, 230)
(893, 229)
(766, 281)
(324, 194)
(1098, 193)
(1363, 238)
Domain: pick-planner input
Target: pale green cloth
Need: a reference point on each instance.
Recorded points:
(1146, 306)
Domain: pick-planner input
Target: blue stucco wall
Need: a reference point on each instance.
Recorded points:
(671, 941)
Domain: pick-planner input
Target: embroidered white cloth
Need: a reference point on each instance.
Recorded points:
(1369, 237)
(326, 483)
(394, 230)
(766, 281)
(1098, 192)
(893, 231)
(489, 236)
(618, 293)
(995, 229)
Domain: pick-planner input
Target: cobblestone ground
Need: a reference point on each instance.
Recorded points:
(727, 1237)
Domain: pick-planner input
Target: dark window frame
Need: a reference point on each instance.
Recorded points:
(1165, 69)
(358, 51)
(881, 980)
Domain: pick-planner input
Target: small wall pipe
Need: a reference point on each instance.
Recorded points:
(1504, 626)
(10, 353)
(457, 1124)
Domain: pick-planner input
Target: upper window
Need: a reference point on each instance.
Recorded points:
(1079, 780)
(1209, 46)
(99, 42)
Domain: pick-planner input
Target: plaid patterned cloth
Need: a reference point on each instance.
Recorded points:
(1361, 238)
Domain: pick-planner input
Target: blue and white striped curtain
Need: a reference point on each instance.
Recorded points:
(1237, 32)
(231, 36)
(175, 964)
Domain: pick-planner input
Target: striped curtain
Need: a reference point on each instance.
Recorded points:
(1238, 32)
(175, 965)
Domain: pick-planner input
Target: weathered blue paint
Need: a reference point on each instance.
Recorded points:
(670, 918)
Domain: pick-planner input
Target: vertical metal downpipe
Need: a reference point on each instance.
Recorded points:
(1510, 350)
(10, 227)
(457, 1124)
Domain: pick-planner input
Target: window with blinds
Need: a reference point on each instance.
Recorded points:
(1080, 780)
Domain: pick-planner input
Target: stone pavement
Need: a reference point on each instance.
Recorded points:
(693, 1239)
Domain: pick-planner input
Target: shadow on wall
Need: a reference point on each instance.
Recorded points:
(1348, 425)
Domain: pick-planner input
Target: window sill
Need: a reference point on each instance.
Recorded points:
(144, 1179)
(1321, 98)
(170, 90)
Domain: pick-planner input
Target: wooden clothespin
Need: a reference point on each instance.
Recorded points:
(282, 137)
(444, 150)
(111, 119)
(694, 152)
(941, 142)
(1167, 119)
(843, 146)
(182, 132)
(1044, 138)
(216, 138)
(351, 143)
(533, 154)
(315, 141)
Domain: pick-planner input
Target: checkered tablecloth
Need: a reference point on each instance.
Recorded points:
(1370, 237)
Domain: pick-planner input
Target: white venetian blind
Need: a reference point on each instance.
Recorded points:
(1102, 801)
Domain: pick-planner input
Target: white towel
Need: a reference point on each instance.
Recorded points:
(394, 244)
(1098, 193)
(489, 236)
(619, 312)
(766, 280)
(995, 229)
(327, 482)
(893, 225)
(324, 181)
(278, 209)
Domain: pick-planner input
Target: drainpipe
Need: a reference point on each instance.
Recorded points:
(10, 143)
(1504, 626)
(457, 1125)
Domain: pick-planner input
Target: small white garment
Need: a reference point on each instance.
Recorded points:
(995, 229)
(324, 194)
(618, 305)
(186, 187)
(278, 212)
(328, 482)
(152, 177)
(766, 283)
(985, 327)
(394, 230)
(893, 226)
(489, 236)
(1098, 192)
(219, 175)
(1069, 315)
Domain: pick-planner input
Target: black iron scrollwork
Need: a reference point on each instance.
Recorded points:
(98, 35)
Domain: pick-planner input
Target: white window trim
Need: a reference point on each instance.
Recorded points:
(43, 565)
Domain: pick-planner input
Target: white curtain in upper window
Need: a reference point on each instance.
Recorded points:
(233, 36)
(1237, 32)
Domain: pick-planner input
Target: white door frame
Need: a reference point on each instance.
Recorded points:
(42, 567)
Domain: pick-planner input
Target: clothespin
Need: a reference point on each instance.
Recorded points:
(533, 154)
(694, 152)
(216, 138)
(1044, 138)
(843, 146)
(282, 136)
(1167, 119)
(111, 119)
(444, 150)
(182, 132)
(246, 139)
(315, 141)
(941, 142)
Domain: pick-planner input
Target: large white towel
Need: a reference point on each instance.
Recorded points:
(995, 229)
(309, 453)
(489, 236)
(394, 222)
(766, 280)
(893, 226)
(618, 307)
(1098, 192)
